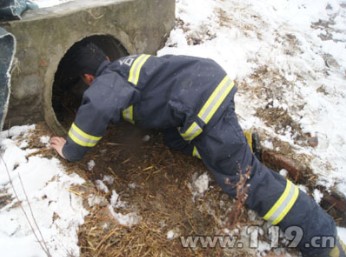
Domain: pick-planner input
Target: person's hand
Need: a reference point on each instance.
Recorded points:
(58, 143)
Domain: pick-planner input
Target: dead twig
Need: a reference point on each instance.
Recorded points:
(242, 195)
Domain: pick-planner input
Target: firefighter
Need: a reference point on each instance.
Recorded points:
(192, 101)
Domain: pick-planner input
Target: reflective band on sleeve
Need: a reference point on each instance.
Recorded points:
(215, 100)
(283, 205)
(81, 138)
(195, 153)
(193, 131)
(136, 68)
(210, 107)
(128, 114)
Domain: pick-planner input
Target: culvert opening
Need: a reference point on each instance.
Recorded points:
(67, 91)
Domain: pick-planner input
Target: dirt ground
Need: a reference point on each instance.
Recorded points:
(157, 184)
(161, 194)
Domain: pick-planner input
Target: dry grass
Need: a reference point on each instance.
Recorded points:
(162, 197)
(154, 183)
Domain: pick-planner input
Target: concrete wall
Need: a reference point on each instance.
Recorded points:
(44, 35)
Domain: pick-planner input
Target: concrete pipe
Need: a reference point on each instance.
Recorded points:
(44, 37)
(65, 95)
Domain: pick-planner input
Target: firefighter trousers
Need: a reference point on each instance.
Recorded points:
(224, 150)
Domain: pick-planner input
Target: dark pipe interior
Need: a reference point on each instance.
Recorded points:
(67, 91)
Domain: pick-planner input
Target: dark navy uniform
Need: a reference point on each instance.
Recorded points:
(191, 100)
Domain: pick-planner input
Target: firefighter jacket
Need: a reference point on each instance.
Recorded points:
(151, 92)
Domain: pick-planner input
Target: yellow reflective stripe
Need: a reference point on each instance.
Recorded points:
(210, 107)
(193, 131)
(81, 138)
(338, 249)
(335, 252)
(284, 204)
(195, 153)
(128, 114)
(136, 68)
(288, 207)
(215, 99)
(343, 245)
(248, 136)
(133, 78)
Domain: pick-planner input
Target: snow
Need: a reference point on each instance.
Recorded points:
(128, 219)
(284, 36)
(318, 195)
(170, 235)
(115, 200)
(202, 183)
(49, 3)
(109, 180)
(283, 173)
(101, 186)
(342, 233)
(199, 184)
(45, 140)
(40, 188)
(94, 200)
(91, 164)
(302, 45)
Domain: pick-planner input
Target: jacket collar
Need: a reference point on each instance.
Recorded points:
(102, 67)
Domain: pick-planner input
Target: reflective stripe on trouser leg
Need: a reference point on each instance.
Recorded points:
(248, 136)
(226, 154)
(283, 205)
(339, 250)
(192, 132)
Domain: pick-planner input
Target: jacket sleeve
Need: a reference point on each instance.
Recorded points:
(101, 103)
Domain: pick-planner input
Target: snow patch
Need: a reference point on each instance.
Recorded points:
(91, 164)
(101, 186)
(45, 140)
(318, 195)
(40, 185)
(115, 200)
(128, 220)
(200, 184)
(108, 179)
(49, 3)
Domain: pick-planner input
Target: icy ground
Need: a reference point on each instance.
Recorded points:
(288, 55)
